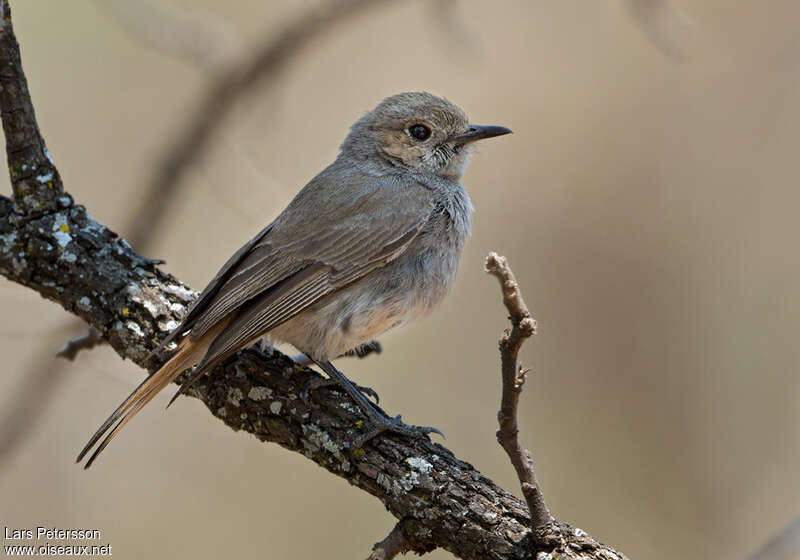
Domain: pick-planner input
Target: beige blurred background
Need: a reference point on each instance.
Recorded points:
(649, 208)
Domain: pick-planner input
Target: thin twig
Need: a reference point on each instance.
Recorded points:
(523, 326)
(84, 342)
(395, 543)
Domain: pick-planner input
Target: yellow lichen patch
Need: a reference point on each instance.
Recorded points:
(358, 452)
(126, 311)
(65, 228)
(50, 185)
(359, 423)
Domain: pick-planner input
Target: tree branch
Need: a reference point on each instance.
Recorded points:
(523, 326)
(54, 247)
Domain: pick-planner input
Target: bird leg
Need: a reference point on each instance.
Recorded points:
(379, 422)
(361, 351)
(319, 382)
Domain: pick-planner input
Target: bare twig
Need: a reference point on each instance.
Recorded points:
(395, 543)
(84, 342)
(523, 326)
(667, 26)
(219, 101)
(785, 545)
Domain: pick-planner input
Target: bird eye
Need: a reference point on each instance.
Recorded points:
(419, 131)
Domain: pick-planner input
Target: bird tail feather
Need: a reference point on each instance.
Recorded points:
(189, 353)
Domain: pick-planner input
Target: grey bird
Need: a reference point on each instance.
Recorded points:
(370, 243)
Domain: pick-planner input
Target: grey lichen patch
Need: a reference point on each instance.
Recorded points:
(176, 307)
(10, 246)
(167, 326)
(420, 473)
(8, 241)
(84, 304)
(315, 440)
(181, 292)
(259, 393)
(420, 464)
(45, 178)
(235, 396)
(153, 302)
(61, 230)
(391, 485)
(275, 407)
(348, 407)
(135, 329)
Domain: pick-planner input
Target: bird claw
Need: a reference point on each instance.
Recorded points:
(395, 425)
(318, 383)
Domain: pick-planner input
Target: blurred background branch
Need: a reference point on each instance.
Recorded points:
(667, 27)
(202, 38)
(234, 82)
(784, 545)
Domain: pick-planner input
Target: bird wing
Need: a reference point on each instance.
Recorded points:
(211, 290)
(338, 228)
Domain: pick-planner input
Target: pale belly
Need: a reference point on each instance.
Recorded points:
(400, 292)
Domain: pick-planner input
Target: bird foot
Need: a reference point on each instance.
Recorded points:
(380, 424)
(318, 383)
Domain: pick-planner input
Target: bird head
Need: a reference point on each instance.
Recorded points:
(419, 131)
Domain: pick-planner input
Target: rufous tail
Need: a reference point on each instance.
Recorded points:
(189, 353)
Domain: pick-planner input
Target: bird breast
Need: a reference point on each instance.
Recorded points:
(403, 290)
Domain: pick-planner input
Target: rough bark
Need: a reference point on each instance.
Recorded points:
(53, 246)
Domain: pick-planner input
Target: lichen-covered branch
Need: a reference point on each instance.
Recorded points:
(53, 246)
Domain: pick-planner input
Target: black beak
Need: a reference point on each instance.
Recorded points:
(479, 132)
